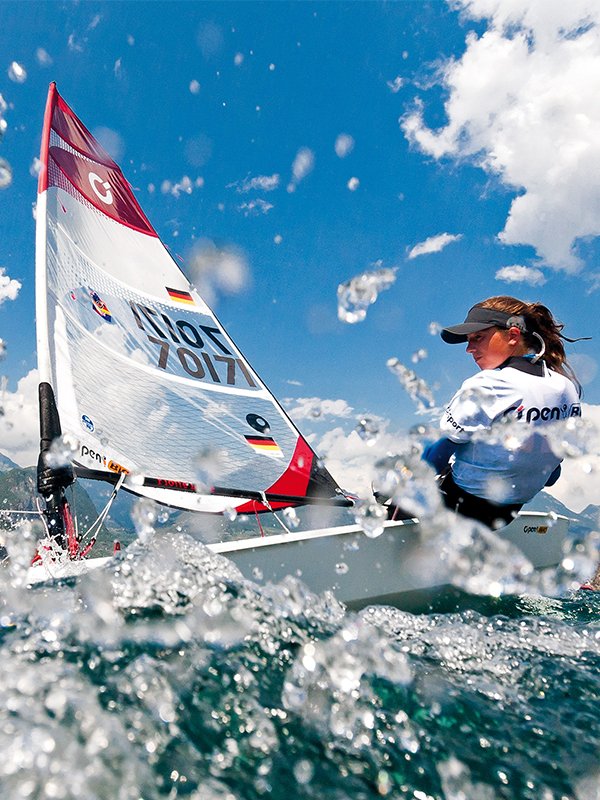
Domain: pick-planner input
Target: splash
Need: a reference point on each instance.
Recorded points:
(356, 295)
(416, 388)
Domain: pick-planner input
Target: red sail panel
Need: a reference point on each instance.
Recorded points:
(87, 167)
(294, 481)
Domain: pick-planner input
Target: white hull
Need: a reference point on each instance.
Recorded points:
(358, 569)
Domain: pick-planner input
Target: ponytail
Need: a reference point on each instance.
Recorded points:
(539, 320)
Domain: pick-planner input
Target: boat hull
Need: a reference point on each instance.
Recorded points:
(396, 568)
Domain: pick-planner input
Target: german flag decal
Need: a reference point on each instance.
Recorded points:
(180, 297)
(265, 445)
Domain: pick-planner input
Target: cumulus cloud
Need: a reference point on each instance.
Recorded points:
(520, 274)
(19, 422)
(434, 244)
(184, 186)
(9, 287)
(255, 207)
(262, 183)
(352, 460)
(395, 85)
(315, 408)
(522, 103)
(577, 486)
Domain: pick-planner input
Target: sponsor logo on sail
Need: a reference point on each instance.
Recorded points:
(101, 458)
(87, 423)
(114, 467)
(100, 306)
(87, 452)
(170, 483)
(101, 188)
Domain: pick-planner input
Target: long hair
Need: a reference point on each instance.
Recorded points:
(538, 318)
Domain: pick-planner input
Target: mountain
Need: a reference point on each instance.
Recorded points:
(18, 491)
(6, 463)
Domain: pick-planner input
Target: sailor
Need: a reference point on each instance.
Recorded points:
(496, 452)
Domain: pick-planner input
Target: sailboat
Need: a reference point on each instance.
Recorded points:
(137, 370)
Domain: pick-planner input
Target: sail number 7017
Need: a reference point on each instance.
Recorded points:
(180, 336)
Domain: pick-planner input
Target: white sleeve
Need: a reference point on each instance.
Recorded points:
(480, 400)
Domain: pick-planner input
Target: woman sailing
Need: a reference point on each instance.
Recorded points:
(524, 380)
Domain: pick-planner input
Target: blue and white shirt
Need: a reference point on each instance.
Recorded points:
(499, 419)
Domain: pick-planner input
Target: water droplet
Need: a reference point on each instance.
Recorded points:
(5, 174)
(435, 328)
(230, 514)
(144, 516)
(357, 294)
(419, 355)
(257, 573)
(291, 517)
(208, 465)
(416, 388)
(368, 430)
(61, 452)
(341, 568)
(303, 771)
(17, 72)
(370, 516)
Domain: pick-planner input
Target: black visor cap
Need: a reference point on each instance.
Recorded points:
(478, 319)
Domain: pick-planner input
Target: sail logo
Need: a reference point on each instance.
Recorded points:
(101, 188)
(87, 423)
(100, 306)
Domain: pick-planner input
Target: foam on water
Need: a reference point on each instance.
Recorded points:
(167, 674)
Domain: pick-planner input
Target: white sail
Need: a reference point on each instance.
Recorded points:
(145, 377)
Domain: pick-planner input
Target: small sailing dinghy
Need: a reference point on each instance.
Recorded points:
(135, 368)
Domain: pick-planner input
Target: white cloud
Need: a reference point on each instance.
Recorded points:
(9, 287)
(186, 186)
(577, 486)
(395, 85)
(352, 460)
(263, 183)
(255, 207)
(520, 274)
(19, 424)
(434, 244)
(315, 408)
(523, 104)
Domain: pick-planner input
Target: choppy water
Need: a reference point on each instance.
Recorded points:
(168, 675)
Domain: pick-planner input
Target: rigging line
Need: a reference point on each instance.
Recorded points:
(97, 524)
(18, 511)
(283, 525)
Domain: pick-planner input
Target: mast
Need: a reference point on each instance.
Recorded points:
(51, 481)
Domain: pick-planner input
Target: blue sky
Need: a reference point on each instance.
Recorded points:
(311, 142)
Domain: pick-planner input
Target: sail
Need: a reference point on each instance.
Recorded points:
(146, 379)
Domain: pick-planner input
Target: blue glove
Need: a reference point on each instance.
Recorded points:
(437, 454)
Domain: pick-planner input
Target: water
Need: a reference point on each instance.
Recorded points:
(168, 675)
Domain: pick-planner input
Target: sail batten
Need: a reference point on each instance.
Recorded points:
(146, 378)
